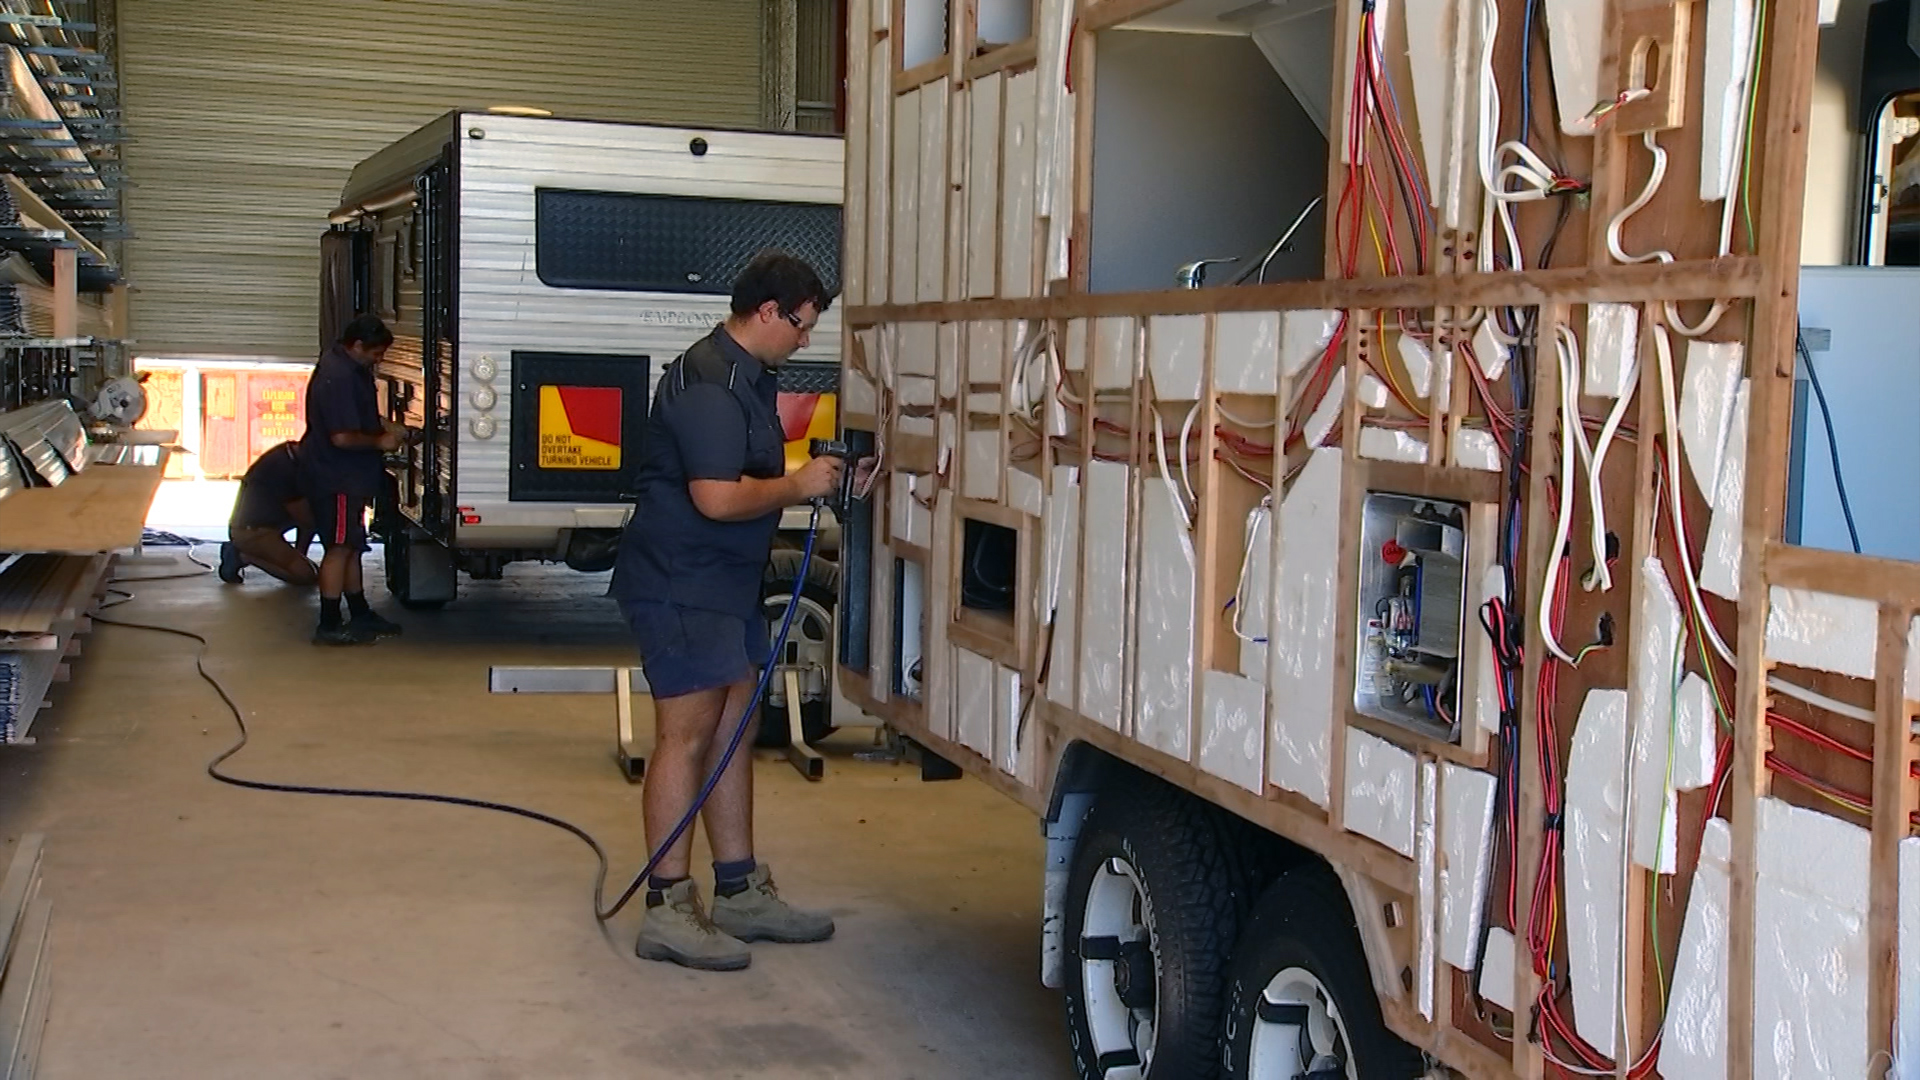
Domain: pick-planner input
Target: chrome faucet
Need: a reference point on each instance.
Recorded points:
(1194, 274)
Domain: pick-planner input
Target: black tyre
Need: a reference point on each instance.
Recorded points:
(1154, 903)
(398, 556)
(809, 646)
(1300, 1003)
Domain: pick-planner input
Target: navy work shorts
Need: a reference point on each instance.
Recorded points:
(684, 650)
(340, 520)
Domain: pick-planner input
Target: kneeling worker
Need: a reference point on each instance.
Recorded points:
(712, 483)
(270, 503)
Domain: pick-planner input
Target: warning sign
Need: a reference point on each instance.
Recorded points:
(579, 427)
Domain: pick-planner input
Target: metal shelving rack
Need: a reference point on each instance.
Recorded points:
(61, 131)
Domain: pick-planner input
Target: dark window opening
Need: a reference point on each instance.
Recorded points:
(674, 243)
(990, 557)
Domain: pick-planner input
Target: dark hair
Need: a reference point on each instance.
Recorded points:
(367, 330)
(781, 278)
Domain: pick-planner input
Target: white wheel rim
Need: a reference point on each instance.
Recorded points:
(1296, 1027)
(1117, 954)
(809, 647)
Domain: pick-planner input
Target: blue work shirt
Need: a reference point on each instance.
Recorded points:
(272, 481)
(341, 398)
(715, 416)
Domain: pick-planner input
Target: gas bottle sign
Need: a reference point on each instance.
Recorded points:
(579, 427)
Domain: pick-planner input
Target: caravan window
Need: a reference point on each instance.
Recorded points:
(673, 243)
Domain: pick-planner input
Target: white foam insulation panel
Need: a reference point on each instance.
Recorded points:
(986, 353)
(1728, 63)
(879, 156)
(1254, 605)
(916, 352)
(1572, 28)
(1025, 493)
(1613, 336)
(1720, 564)
(1388, 444)
(1103, 594)
(949, 360)
(1380, 791)
(1475, 448)
(1466, 845)
(931, 244)
(1496, 968)
(1113, 355)
(1326, 414)
(1426, 862)
(1304, 337)
(1694, 1041)
(973, 707)
(1822, 631)
(1417, 359)
(1707, 392)
(1016, 190)
(1653, 716)
(1012, 754)
(1489, 351)
(1175, 346)
(912, 522)
(1595, 827)
(940, 660)
(981, 469)
(1300, 645)
(1063, 581)
(1163, 638)
(1246, 352)
(1811, 967)
(1233, 729)
(904, 276)
(983, 187)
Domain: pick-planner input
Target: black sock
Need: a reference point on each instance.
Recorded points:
(357, 604)
(657, 887)
(329, 612)
(730, 878)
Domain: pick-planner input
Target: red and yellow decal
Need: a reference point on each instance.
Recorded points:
(579, 427)
(803, 418)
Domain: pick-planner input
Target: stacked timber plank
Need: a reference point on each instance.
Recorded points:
(65, 508)
(26, 978)
(44, 601)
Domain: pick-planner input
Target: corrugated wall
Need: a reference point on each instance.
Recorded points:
(246, 117)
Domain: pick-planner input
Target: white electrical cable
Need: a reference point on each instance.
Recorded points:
(1166, 474)
(1663, 346)
(1563, 525)
(1601, 577)
(1257, 425)
(1186, 436)
(1822, 701)
(1246, 569)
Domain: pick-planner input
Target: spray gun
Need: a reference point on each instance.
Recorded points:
(856, 446)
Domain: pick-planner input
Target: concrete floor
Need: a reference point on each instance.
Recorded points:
(205, 931)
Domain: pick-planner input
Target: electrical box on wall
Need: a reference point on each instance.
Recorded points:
(1412, 613)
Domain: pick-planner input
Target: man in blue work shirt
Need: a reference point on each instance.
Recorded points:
(712, 483)
(342, 457)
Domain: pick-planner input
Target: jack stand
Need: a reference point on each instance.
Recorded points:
(800, 754)
(621, 682)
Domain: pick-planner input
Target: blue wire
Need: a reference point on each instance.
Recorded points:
(746, 717)
(1833, 444)
(1526, 73)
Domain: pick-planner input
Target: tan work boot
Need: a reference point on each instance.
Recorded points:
(760, 915)
(679, 930)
